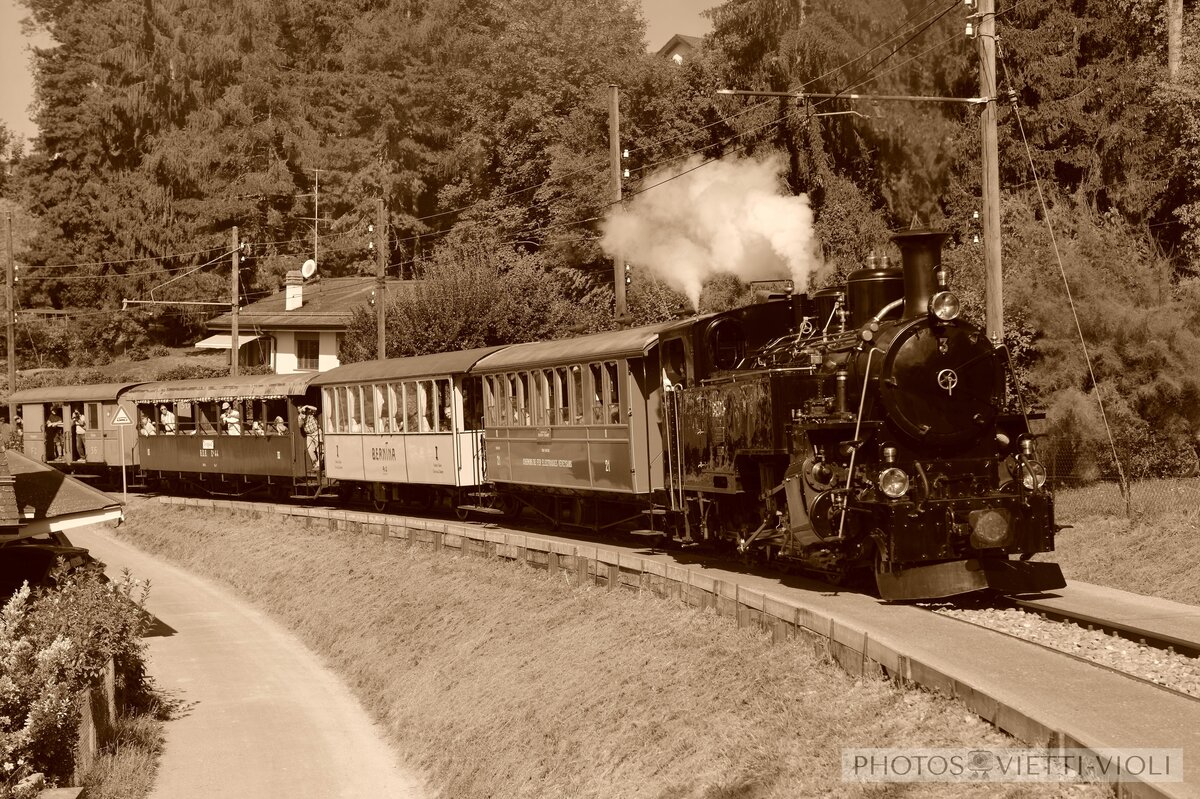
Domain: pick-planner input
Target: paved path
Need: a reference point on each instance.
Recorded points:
(260, 715)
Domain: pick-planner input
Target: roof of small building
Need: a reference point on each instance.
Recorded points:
(680, 42)
(328, 304)
(31, 491)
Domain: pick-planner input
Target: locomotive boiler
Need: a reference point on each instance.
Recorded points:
(880, 434)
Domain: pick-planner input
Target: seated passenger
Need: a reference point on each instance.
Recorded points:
(256, 428)
(279, 427)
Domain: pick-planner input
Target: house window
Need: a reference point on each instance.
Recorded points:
(257, 352)
(308, 352)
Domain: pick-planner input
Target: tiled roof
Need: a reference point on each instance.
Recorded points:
(43, 492)
(680, 41)
(327, 305)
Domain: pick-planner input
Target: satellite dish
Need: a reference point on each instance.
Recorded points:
(309, 269)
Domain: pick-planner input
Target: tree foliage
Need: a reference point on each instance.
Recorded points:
(483, 127)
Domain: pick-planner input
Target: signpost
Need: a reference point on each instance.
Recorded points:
(121, 420)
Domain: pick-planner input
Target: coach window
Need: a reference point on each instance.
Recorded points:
(612, 392)
(340, 422)
(472, 398)
(541, 397)
(446, 405)
(410, 407)
(596, 392)
(379, 401)
(367, 413)
(328, 402)
(526, 399)
(563, 395)
(488, 388)
(208, 417)
(391, 404)
(353, 410)
(575, 378)
(509, 408)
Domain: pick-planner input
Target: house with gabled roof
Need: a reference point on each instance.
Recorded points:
(680, 47)
(300, 328)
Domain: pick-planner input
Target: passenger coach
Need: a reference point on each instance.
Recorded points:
(406, 430)
(576, 418)
(232, 435)
(48, 435)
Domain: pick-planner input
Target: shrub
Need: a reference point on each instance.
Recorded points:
(54, 643)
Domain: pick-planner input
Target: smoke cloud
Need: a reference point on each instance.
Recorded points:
(725, 217)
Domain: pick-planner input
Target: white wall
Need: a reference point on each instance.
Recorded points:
(285, 355)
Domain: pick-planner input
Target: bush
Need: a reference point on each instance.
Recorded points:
(55, 643)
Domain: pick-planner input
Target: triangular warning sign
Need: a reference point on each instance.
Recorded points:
(121, 417)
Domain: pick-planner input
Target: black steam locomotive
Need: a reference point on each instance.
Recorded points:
(874, 435)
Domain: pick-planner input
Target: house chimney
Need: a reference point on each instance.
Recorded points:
(293, 290)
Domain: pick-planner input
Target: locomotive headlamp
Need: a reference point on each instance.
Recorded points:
(945, 306)
(1033, 474)
(893, 482)
(889, 454)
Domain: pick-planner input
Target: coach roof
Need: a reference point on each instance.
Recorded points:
(95, 392)
(443, 363)
(596, 347)
(223, 388)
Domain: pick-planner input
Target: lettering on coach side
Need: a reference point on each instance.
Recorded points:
(383, 453)
(556, 463)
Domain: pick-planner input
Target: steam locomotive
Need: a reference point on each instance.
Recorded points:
(862, 430)
(875, 434)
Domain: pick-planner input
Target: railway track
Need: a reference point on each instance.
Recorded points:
(1145, 635)
(1138, 654)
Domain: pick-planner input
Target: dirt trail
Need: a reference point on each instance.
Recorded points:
(259, 715)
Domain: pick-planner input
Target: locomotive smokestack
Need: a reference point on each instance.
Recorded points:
(921, 254)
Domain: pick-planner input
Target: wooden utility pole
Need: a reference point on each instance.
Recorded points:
(614, 156)
(11, 327)
(1174, 38)
(233, 307)
(381, 258)
(993, 274)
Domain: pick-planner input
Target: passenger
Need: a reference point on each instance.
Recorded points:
(166, 419)
(145, 425)
(256, 428)
(355, 425)
(312, 434)
(231, 420)
(54, 431)
(279, 427)
(80, 428)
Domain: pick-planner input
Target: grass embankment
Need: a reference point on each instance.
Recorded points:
(500, 681)
(1154, 551)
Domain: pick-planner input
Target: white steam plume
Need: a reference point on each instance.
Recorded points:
(726, 216)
